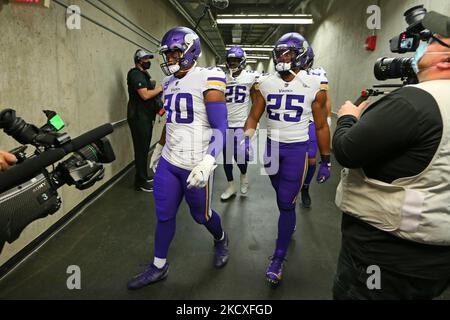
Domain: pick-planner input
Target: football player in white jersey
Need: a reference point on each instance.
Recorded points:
(289, 97)
(194, 99)
(240, 87)
(312, 145)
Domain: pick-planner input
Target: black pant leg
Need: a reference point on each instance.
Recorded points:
(352, 277)
(141, 133)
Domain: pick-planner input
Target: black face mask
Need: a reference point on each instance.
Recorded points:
(146, 65)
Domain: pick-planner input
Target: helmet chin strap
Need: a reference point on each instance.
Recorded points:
(293, 73)
(233, 71)
(296, 76)
(184, 71)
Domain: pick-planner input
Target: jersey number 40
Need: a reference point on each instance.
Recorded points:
(182, 106)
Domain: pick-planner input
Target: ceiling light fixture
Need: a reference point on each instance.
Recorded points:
(258, 57)
(249, 47)
(265, 19)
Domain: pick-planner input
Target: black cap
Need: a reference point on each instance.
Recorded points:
(437, 23)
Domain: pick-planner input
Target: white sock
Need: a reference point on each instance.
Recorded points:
(159, 263)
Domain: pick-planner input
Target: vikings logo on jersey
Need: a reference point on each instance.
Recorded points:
(188, 131)
(238, 97)
(289, 105)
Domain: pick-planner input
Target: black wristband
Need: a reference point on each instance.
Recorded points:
(325, 158)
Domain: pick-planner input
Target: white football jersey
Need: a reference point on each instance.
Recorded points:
(188, 131)
(322, 74)
(289, 105)
(238, 97)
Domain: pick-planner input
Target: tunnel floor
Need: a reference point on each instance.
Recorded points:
(112, 240)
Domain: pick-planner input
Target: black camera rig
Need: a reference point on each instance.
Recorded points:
(422, 26)
(28, 191)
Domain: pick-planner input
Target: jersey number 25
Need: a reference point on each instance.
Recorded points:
(291, 104)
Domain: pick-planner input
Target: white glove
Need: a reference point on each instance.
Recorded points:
(199, 176)
(155, 156)
(329, 121)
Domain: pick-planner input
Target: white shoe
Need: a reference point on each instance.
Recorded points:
(244, 183)
(231, 191)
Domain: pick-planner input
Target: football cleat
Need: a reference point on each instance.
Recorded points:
(275, 271)
(221, 252)
(149, 276)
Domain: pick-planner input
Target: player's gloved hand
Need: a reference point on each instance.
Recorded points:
(155, 156)
(246, 148)
(199, 176)
(324, 169)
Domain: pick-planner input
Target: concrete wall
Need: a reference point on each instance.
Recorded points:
(81, 74)
(339, 36)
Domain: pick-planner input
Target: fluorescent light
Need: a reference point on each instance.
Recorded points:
(259, 57)
(252, 61)
(250, 47)
(264, 21)
(264, 15)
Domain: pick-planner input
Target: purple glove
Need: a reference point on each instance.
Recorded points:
(324, 169)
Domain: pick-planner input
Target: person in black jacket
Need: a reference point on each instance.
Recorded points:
(395, 196)
(143, 105)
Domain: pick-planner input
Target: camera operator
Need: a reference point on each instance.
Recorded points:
(395, 197)
(6, 160)
(144, 103)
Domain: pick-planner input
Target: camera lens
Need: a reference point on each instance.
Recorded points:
(393, 68)
(414, 17)
(415, 14)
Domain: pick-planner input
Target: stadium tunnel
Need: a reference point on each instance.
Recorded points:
(73, 57)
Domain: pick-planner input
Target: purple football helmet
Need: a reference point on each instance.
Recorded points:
(184, 40)
(292, 44)
(238, 53)
(310, 60)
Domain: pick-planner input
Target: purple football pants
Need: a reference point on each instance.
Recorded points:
(312, 153)
(312, 143)
(169, 188)
(287, 182)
